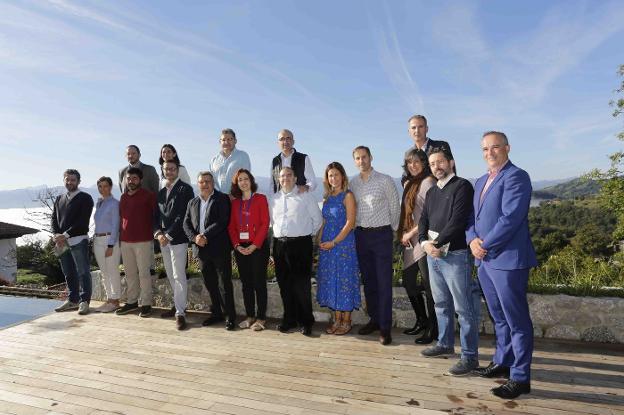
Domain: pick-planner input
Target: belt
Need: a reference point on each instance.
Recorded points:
(103, 234)
(373, 229)
(293, 238)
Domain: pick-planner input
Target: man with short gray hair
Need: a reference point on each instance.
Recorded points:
(499, 238)
(205, 225)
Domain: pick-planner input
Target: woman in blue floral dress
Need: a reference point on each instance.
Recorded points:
(338, 274)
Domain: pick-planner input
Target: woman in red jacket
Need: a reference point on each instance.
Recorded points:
(248, 229)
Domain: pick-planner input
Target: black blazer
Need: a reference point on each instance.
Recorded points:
(170, 211)
(217, 219)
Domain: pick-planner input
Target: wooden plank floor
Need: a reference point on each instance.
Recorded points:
(106, 364)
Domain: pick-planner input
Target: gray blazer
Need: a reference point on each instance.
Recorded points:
(150, 178)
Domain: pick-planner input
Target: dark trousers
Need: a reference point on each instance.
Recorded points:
(75, 266)
(374, 251)
(505, 293)
(293, 269)
(415, 290)
(253, 274)
(217, 273)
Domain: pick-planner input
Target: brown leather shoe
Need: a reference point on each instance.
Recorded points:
(180, 322)
(343, 328)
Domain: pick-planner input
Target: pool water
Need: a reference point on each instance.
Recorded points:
(18, 309)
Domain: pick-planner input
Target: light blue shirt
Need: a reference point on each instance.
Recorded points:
(107, 218)
(224, 168)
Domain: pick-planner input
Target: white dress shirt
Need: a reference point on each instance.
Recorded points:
(377, 200)
(294, 214)
(203, 210)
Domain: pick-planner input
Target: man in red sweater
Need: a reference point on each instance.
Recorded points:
(136, 212)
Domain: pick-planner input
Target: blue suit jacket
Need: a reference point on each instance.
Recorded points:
(501, 220)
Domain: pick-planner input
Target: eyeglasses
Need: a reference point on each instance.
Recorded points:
(282, 139)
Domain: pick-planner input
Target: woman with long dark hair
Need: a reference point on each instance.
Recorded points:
(248, 230)
(418, 181)
(338, 273)
(169, 153)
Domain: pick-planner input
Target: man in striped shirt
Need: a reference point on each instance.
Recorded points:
(378, 210)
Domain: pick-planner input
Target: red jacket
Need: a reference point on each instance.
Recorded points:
(136, 213)
(255, 215)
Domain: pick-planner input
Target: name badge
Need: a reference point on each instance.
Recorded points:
(244, 236)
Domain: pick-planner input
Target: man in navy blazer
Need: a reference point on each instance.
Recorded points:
(168, 230)
(498, 235)
(205, 225)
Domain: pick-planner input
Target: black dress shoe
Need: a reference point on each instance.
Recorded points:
(370, 327)
(420, 326)
(511, 389)
(306, 330)
(169, 313)
(285, 327)
(384, 337)
(230, 325)
(212, 320)
(430, 335)
(492, 371)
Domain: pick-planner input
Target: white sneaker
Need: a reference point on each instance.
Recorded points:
(83, 308)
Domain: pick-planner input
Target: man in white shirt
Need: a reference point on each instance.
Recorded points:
(299, 162)
(295, 217)
(228, 161)
(378, 211)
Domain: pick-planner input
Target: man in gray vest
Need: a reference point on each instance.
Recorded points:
(299, 162)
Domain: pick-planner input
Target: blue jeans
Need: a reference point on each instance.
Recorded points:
(75, 266)
(454, 291)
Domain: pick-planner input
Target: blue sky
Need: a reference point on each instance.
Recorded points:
(80, 80)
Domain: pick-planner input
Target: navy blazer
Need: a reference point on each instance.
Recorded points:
(501, 219)
(215, 225)
(170, 211)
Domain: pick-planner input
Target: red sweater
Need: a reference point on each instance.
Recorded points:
(136, 213)
(255, 214)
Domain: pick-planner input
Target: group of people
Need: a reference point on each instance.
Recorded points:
(444, 224)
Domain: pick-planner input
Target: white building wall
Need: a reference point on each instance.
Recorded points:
(8, 259)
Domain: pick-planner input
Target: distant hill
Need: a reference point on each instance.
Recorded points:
(544, 189)
(569, 190)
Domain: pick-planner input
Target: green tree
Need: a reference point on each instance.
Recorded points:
(611, 193)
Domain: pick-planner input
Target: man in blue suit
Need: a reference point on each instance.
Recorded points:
(499, 239)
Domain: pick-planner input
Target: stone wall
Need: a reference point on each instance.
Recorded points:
(554, 316)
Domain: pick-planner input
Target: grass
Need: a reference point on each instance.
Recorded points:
(28, 277)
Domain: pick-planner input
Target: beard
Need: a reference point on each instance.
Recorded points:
(441, 174)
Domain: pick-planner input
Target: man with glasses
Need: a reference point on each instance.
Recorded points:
(299, 162)
(228, 161)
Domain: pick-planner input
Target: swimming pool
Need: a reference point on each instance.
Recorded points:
(18, 309)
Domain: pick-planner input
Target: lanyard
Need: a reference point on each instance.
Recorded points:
(247, 210)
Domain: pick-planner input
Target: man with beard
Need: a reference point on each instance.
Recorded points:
(150, 179)
(169, 218)
(136, 213)
(70, 226)
(441, 233)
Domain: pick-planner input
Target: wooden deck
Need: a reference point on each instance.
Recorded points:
(107, 364)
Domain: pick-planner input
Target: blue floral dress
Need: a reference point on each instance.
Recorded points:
(338, 273)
